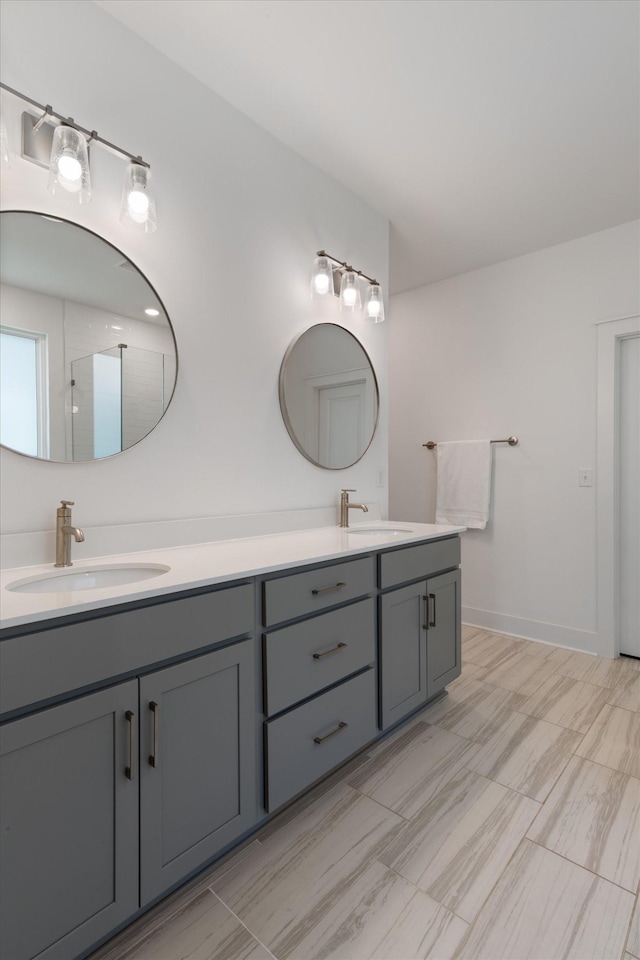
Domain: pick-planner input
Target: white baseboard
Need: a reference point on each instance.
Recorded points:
(585, 641)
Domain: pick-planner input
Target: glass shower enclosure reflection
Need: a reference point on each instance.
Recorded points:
(117, 397)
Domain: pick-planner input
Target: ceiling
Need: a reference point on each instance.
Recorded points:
(483, 129)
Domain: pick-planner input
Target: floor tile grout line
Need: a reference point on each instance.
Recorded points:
(383, 805)
(618, 707)
(241, 922)
(596, 763)
(554, 724)
(418, 889)
(520, 792)
(171, 915)
(526, 839)
(582, 867)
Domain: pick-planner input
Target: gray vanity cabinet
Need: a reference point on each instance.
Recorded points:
(68, 824)
(403, 653)
(420, 631)
(197, 761)
(444, 655)
(319, 673)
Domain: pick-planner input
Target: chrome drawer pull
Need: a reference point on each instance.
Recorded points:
(341, 726)
(130, 771)
(335, 586)
(327, 653)
(155, 709)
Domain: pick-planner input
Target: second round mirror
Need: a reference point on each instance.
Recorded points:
(329, 396)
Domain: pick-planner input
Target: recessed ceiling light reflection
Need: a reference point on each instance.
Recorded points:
(152, 312)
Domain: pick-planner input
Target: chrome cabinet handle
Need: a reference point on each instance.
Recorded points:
(334, 586)
(432, 622)
(155, 709)
(327, 653)
(130, 771)
(341, 726)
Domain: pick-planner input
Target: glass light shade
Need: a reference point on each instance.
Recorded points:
(350, 299)
(138, 207)
(322, 278)
(373, 304)
(69, 165)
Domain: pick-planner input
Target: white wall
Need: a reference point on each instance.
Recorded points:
(511, 349)
(240, 218)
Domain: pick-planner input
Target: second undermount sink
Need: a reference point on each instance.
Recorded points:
(376, 531)
(88, 578)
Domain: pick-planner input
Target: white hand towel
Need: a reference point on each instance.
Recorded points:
(464, 483)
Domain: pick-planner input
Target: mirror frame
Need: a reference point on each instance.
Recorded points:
(283, 403)
(73, 223)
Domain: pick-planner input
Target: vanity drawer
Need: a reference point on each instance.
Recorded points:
(423, 560)
(342, 719)
(300, 594)
(38, 666)
(307, 657)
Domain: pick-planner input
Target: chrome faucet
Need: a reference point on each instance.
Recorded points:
(345, 506)
(64, 532)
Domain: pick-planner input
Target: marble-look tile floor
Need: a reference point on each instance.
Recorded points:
(503, 821)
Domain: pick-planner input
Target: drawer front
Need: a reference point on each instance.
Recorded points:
(343, 720)
(42, 665)
(306, 657)
(411, 563)
(303, 593)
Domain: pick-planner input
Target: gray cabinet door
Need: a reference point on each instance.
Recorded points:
(197, 763)
(68, 825)
(403, 653)
(444, 655)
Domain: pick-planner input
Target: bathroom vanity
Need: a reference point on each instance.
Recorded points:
(146, 728)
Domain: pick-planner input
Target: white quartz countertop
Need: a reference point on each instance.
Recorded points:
(202, 564)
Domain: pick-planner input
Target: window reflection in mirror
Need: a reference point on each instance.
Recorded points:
(88, 354)
(329, 396)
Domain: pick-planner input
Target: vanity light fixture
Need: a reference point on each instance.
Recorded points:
(61, 144)
(373, 304)
(138, 203)
(333, 277)
(322, 277)
(69, 164)
(350, 298)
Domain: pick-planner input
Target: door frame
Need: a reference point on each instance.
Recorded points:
(610, 333)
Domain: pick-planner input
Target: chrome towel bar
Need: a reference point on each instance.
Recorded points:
(512, 441)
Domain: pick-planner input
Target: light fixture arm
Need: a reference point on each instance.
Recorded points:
(92, 135)
(345, 266)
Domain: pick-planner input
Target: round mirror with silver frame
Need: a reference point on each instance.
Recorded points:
(89, 357)
(329, 396)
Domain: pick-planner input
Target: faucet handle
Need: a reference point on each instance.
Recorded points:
(348, 489)
(68, 503)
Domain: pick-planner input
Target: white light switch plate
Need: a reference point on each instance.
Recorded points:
(585, 477)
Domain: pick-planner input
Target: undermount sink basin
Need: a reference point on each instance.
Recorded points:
(88, 578)
(376, 531)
